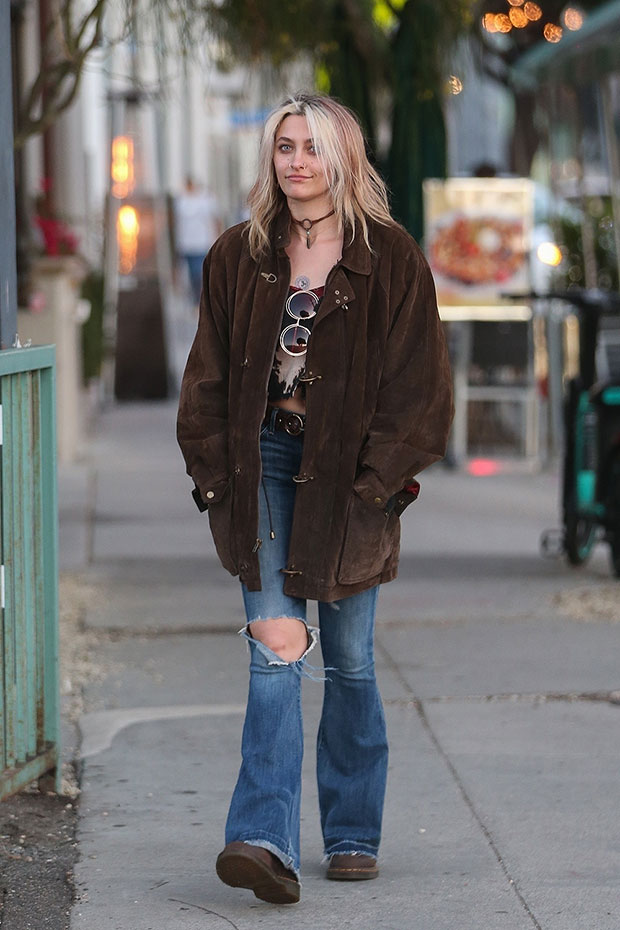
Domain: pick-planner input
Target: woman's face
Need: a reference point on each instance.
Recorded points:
(296, 162)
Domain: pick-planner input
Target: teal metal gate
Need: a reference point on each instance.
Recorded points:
(29, 703)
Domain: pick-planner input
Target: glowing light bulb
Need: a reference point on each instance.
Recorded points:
(549, 254)
(127, 231)
(128, 221)
(532, 11)
(552, 33)
(518, 18)
(502, 23)
(122, 166)
(573, 18)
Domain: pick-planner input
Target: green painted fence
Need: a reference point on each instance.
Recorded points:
(29, 703)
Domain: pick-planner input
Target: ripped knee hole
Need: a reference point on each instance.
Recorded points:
(289, 643)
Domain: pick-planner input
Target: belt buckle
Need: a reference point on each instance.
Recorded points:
(293, 424)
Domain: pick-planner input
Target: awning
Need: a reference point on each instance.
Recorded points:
(580, 57)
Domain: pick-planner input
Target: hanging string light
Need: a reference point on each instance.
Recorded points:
(520, 14)
(532, 11)
(573, 18)
(518, 18)
(502, 23)
(552, 33)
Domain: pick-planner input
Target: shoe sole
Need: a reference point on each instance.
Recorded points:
(351, 875)
(244, 871)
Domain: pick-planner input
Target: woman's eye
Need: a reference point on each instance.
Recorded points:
(284, 147)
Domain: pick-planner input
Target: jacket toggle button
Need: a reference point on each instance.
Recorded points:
(291, 571)
(302, 478)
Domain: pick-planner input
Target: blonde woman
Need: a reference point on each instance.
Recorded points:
(317, 388)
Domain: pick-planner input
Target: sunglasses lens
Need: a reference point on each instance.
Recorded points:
(294, 339)
(301, 305)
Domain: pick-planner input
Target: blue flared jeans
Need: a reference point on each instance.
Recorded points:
(352, 747)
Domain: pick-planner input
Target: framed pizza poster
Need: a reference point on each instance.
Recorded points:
(477, 238)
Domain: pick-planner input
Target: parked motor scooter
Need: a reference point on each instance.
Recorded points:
(591, 473)
(591, 460)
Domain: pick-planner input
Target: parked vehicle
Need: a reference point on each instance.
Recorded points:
(591, 466)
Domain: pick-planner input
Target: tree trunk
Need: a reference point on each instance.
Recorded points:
(351, 80)
(418, 148)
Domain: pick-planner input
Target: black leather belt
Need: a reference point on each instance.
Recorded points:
(286, 420)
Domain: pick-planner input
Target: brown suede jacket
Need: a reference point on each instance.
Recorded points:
(378, 405)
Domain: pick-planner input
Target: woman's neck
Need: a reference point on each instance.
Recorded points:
(312, 221)
(309, 209)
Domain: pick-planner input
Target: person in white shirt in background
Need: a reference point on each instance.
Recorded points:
(196, 227)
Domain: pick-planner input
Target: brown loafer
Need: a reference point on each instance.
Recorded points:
(241, 865)
(344, 867)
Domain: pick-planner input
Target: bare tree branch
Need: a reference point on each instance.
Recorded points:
(63, 54)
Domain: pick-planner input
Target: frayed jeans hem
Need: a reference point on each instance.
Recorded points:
(348, 848)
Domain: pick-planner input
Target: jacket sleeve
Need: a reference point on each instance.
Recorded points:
(202, 422)
(410, 426)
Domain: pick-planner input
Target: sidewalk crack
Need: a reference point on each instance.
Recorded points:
(205, 909)
(419, 707)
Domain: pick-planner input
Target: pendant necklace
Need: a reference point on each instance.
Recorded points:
(307, 225)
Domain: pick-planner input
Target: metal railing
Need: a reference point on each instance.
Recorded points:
(29, 702)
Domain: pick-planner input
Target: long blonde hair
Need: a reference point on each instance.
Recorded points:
(356, 189)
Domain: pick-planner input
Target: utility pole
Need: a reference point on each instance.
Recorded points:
(8, 275)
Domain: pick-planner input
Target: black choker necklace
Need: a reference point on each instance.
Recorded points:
(307, 225)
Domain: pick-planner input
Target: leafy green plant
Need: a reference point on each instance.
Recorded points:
(569, 236)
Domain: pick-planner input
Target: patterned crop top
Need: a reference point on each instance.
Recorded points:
(289, 364)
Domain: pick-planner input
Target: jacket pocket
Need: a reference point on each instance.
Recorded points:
(220, 521)
(369, 539)
(399, 502)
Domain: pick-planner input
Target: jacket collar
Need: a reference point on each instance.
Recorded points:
(355, 254)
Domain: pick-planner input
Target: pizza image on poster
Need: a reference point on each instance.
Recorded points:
(478, 250)
(477, 238)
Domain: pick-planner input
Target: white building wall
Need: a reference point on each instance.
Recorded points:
(33, 149)
(209, 126)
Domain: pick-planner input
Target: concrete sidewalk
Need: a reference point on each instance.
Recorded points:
(503, 789)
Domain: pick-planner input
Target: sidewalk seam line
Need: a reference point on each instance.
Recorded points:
(524, 697)
(419, 707)
(91, 513)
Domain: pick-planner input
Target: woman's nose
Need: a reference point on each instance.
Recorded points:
(297, 160)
